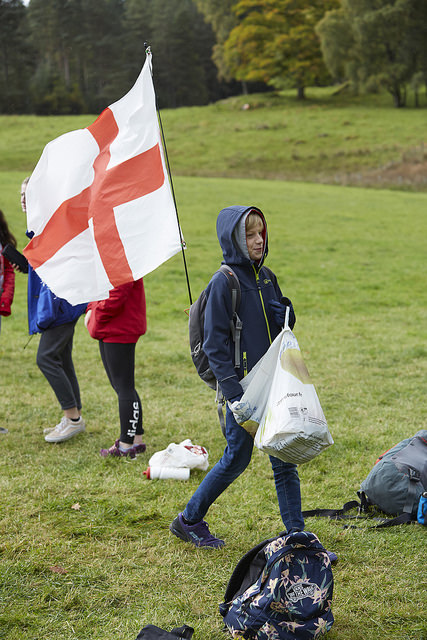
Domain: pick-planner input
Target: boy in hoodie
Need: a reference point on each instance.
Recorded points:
(242, 234)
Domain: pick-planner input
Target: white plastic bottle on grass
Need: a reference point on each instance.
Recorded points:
(167, 473)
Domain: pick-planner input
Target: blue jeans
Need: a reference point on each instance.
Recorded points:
(235, 459)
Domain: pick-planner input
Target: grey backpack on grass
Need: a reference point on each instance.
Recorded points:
(394, 485)
(398, 478)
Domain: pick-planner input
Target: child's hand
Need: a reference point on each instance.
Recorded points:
(279, 311)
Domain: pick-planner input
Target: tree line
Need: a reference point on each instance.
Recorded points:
(78, 56)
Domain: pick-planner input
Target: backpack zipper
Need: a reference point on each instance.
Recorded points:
(262, 302)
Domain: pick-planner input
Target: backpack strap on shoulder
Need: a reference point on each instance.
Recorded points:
(235, 322)
(236, 329)
(268, 270)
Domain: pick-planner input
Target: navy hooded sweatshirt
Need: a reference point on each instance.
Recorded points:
(258, 286)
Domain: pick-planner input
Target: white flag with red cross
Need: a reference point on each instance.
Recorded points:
(99, 201)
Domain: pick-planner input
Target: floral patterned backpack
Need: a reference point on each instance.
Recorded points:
(281, 590)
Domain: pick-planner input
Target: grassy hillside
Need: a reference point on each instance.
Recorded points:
(328, 138)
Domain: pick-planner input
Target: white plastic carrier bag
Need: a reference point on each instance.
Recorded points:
(184, 454)
(280, 406)
(249, 410)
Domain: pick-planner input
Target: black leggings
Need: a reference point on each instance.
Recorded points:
(119, 363)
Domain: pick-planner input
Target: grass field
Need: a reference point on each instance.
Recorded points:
(85, 550)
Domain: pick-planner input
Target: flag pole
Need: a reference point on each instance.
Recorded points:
(183, 243)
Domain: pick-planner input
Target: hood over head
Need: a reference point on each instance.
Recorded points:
(231, 231)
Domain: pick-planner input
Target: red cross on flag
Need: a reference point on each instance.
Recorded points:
(99, 201)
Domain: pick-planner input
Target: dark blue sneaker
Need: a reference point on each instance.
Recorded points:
(198, 534)
(332, 557)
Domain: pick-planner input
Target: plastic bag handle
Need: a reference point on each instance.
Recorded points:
(286, 325)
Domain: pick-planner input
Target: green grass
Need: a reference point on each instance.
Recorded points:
(327, 138)
(353, 262)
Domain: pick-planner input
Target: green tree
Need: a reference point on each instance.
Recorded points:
(275, 42)
(79, 45)
(137, 27)
(52, 33)
(338, 45)
(376, 44)
(15, 57)
(417, 39)
(81, 55)
(181, 44)
(100, 52)
(222, 18)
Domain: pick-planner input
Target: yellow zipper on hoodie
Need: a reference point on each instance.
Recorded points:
(262, 302)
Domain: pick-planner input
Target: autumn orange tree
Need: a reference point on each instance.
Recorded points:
(275, 42)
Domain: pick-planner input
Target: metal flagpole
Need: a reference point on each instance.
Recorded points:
(183, 244)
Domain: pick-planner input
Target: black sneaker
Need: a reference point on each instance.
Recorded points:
(198, 534)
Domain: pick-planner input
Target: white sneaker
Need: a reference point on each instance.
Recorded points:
(65, 430)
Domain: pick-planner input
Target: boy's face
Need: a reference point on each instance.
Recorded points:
(255, 241)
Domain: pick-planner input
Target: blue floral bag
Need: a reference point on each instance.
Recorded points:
(281, 590)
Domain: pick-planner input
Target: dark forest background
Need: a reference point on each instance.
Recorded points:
(78, 56)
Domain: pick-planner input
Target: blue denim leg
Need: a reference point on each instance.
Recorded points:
(288, 493)
(235, 459)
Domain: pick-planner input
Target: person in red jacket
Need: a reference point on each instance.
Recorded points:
(7, 276)
(117, 323)
(7, 273)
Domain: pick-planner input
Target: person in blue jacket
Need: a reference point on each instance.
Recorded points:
(242, 234)
(55, 319)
